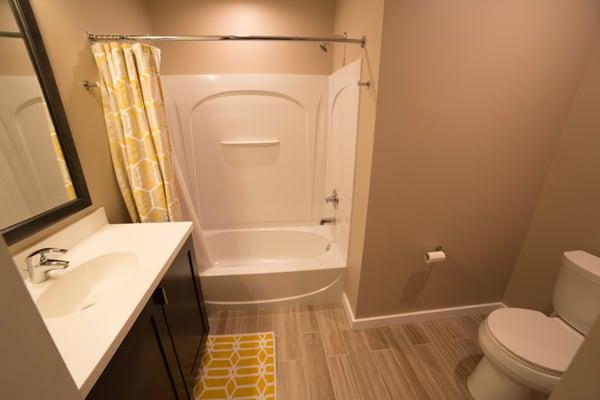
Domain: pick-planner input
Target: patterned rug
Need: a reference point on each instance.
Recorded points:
(238, 367)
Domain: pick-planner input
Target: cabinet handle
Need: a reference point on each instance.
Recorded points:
(160, 296)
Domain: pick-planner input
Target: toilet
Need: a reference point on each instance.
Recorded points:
(527, 352)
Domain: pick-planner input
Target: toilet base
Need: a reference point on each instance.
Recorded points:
(487, 382)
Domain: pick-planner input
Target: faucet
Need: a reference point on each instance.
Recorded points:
(328, 220)
(38, 264)
(333, 198)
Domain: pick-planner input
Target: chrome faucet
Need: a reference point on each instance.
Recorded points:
(333, 198)
(328, 220)
(38, 264)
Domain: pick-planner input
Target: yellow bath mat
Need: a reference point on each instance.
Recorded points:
(238, 367)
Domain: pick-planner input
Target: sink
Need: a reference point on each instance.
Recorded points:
(87, 284)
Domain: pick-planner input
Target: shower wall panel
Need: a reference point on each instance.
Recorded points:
(343, 126)
(30, 176)
(252, 146)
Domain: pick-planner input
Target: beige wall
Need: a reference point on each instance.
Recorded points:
(15, 59)
(7, 20)
(568, 212)
(63, 24)
(472, 98)
(357, 18)
(258, 17)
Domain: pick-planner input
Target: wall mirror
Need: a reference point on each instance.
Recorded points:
(40, 177)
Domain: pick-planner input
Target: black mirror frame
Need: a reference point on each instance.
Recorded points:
(35, 46)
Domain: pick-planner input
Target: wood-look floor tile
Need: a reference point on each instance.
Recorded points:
(344, 382)
(470, 325)
(291, 381)
(438, 380)
(331, 327)
(415, 334)
(212, 313)
(238, 321)
(315, 367)
(306, 318)
(479, 318)
(355, 342)
(336, 313)
(391, 372)
(376, 339)
(370, 382)
(266, 320)
(288, 329)
(217, 324)
(212, 325)
(409, 362)
(287, 345)
(460, 358)
(320, 358)
(449, 328)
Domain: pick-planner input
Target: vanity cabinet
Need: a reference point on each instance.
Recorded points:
(159, 356)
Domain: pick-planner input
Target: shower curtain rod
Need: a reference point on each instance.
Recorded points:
(210, 38)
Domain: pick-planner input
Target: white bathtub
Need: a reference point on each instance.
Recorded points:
(272, 265)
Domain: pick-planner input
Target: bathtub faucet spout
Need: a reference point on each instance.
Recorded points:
(329, 221)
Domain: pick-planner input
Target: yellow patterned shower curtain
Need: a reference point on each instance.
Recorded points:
(140, 145)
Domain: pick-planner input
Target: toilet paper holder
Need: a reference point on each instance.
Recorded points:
(437, 255)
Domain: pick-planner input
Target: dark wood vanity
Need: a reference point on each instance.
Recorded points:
(158, 358)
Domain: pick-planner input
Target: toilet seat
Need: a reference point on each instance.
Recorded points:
(542, 342)
(529, 346)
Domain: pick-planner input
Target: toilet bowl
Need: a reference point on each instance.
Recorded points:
(527, 352)
(524, 352)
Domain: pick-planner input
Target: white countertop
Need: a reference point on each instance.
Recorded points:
(88, 339)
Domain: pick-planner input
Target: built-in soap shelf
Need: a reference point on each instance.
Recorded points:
(267, 142)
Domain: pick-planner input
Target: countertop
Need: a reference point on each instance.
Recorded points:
(88, 339)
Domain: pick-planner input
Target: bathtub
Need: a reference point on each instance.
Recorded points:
(272, 265)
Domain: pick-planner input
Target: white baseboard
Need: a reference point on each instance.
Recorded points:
(417, 316)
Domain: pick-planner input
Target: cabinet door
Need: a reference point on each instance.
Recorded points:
(145, 365)
(185, 312)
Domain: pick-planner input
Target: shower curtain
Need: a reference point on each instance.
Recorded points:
(140, 143)
(137, 131)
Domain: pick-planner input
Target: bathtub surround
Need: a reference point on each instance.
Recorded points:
(260, 153)
(343, 101)
(471, 102)
(34, 177)
(251, 146)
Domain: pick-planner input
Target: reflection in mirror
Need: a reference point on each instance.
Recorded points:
(33, 173)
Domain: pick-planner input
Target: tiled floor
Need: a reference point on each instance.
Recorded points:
(320, 357)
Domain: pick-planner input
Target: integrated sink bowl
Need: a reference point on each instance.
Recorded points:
(87, 284)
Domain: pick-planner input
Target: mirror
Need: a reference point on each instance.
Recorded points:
(40, 176)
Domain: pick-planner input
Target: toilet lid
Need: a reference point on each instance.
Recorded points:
(535, 338)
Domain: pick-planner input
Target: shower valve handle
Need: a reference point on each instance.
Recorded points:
(334, 199)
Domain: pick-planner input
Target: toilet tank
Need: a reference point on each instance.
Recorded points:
(577, 291)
